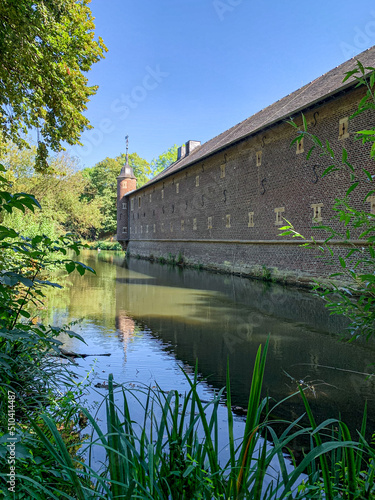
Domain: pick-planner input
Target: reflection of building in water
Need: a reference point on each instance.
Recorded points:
(126, 329)
(213, 318)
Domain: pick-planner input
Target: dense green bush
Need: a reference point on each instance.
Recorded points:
(30, 373)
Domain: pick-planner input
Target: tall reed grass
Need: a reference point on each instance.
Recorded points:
(174, 452)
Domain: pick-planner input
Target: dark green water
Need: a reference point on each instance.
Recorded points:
(153, 318)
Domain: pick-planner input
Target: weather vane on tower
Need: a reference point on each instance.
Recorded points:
(127, 149)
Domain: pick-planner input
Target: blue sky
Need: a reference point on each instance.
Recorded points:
(189, 69)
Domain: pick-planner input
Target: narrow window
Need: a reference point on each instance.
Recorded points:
(150, 197)
(135, 230)
(300, 146)
(259, 158)
(162, 194)
(124, 229)
(171, 227)
(182, 225)
(209, 223)
(147, 228)
(197, 181)
(154, 228)
(141, 229)
(162, 227)
(177, 187)
(371, 199)
(194, 224)
(317, 212)
(227, 220)
(132, 204)
(139, 202)
(344, 128)
(124, 206)
(279, 216)
(251, 220)
(222, 171)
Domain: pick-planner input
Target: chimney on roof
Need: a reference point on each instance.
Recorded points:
(181, 152)
(191, 145)
(187, 148)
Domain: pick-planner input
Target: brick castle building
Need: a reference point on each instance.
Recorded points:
(222, 203)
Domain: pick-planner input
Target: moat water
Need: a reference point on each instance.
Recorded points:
(154, 318)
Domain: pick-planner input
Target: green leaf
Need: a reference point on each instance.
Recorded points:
(85, 267)
(370, 193)
(368, 174)
(331, 168)
(342, 262)
(49, 283)
(310, 152)
(367, 277)
(330, 150)
(80, 269)
(349, 74)
(70, 266)
(351, 188)
(304, 122)
(292, 123)
(361, 67)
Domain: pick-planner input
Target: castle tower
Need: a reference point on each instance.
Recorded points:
(126, 182)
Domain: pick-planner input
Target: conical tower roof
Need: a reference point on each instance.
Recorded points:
(126, 172)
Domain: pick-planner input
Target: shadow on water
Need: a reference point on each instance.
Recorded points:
(214, 317)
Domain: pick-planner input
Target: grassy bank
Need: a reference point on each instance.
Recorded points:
(104, 245)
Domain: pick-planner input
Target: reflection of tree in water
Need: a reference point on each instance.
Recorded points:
(90, 297)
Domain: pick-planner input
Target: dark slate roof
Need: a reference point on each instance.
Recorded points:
(308, 95)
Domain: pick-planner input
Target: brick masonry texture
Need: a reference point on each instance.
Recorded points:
(202, 210)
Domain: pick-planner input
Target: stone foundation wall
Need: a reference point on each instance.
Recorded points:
(285, 263)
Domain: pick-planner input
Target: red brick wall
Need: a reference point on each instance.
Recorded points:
(163, 221)
(124, 186)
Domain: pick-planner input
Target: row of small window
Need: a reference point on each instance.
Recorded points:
(343, 134)
(162, 194)
(279, 213)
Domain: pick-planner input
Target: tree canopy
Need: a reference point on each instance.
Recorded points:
(102, 185)
(164, 160)
(46, 46)
(60, 191)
